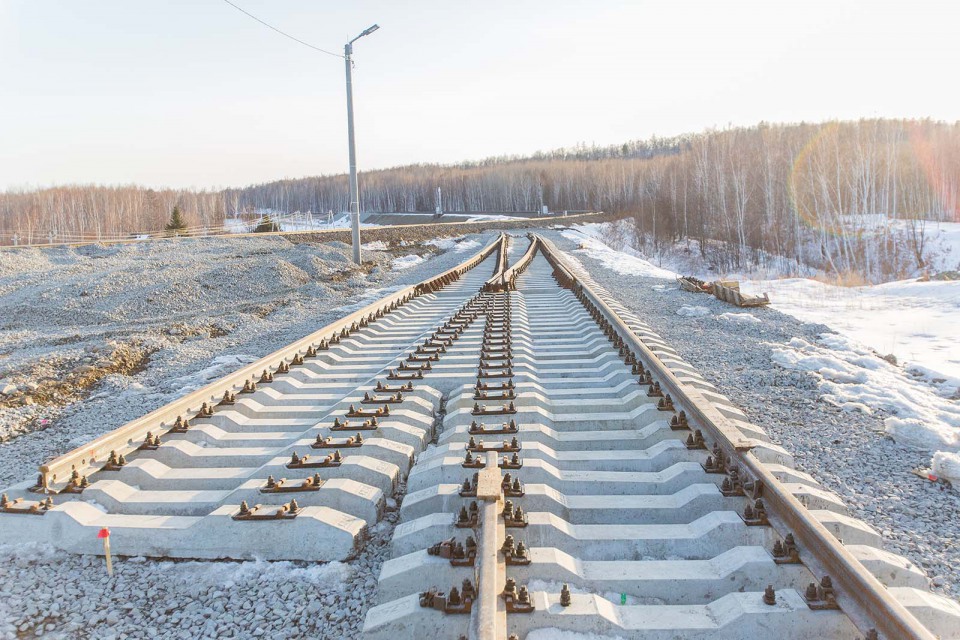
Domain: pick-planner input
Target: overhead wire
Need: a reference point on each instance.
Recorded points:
(283, 33)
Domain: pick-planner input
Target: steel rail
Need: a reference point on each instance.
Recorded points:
(127, 438)
(859, 593)
(506, 279)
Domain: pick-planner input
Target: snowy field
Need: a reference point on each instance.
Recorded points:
(295, 222)
(915, 322)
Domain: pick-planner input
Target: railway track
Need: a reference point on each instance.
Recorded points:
(571, 472)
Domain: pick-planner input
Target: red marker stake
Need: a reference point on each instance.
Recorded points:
(105, 536)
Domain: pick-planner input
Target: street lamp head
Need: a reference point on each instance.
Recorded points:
(366, 32)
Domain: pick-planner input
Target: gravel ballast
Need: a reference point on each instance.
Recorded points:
(846, 451)
(193, 312)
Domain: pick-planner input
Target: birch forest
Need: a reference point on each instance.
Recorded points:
(820, 195)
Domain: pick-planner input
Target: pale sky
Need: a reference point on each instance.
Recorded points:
(194, 93)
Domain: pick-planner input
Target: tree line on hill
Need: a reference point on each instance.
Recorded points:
(813, 193)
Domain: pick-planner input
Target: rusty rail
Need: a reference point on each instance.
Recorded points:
(128, 437)
(861, 596)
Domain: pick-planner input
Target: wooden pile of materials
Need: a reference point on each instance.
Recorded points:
(726, 290)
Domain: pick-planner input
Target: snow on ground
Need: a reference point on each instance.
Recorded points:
(853, 378)
(916, 322)
(221, 366)
(487, 217)
(746, 318)
(294, 222)
(376, 245)
(626, 262)
(693, 311)
(405, 262)
(459, 245)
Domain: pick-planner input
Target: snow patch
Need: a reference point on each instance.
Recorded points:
(739, 318)
(914, 321)
(405, 262)
(853, 378)
(946, 465)
(376, 245)
(626, 261)
(456, 244)
(692, 312)
(222, 365)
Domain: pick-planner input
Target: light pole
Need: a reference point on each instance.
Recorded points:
(354, 187)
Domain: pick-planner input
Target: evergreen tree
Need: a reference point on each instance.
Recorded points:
(266, 225)
(177, 225)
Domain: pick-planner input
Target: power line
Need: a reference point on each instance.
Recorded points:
(306, 44)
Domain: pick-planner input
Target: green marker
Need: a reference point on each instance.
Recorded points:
(623, 598)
